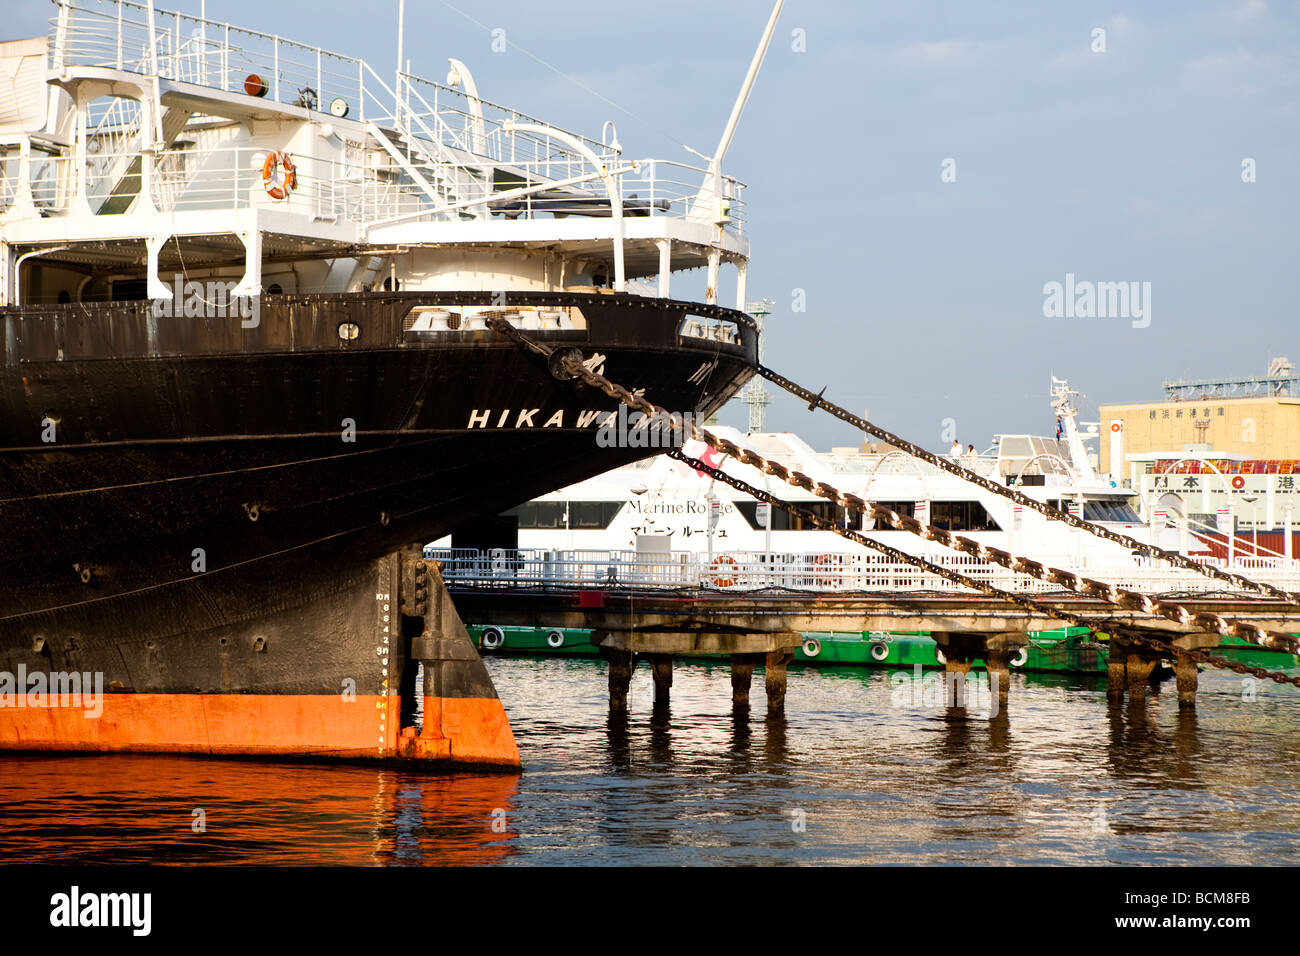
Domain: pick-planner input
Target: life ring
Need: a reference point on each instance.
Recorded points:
(1021, 659)
(812, 647)
(1238, 482)
(723, 570)
(555, 638)
(879, 650)
(829, 563)
(491, 638)
(287, 181)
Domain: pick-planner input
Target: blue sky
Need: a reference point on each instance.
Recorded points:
(925, 298)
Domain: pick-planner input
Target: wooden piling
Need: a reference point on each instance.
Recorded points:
(661, 666)
(742, 675)
(621, 665)
(775, 674)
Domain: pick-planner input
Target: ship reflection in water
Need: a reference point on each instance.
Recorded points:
(847, 777)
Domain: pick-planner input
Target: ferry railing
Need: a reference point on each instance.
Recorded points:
(751, 571)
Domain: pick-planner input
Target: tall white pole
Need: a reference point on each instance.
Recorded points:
(153, 48)
(397, 76)
(754, 66)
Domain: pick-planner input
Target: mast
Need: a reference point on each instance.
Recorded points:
(755, 394)
(1066, 412)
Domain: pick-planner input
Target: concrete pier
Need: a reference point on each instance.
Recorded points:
(622, 649)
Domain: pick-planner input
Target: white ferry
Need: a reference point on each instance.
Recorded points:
(661, 521)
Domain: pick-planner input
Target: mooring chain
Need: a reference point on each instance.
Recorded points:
(1204, 657)
(1131, 600)
(1040, 606)
(815, 400)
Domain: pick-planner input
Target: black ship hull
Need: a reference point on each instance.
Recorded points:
(203, 512)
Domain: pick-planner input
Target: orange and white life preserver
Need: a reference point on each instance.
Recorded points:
(278, 186)
(1238, 482)
(723, 570)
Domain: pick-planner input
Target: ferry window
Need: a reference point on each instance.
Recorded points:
(782, 520)
(961, 516)
(907, 508)
(1109, 509)
(582, 515)
(592, 514)
(540, 514)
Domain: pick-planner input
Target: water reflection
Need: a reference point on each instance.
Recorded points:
(851, 773)
(146, 809)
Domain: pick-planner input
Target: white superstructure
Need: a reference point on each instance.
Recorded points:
(137, 145)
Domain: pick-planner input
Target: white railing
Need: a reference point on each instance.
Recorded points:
(113, 134)
(209, 53)
(230, 178)
(820, 573)
(457, 143)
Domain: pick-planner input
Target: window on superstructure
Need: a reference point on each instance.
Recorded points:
(578, 515)
(907, 508)
(1109, 509)
(961, 516)
(784, 521)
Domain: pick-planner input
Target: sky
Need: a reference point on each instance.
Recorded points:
(920, 172)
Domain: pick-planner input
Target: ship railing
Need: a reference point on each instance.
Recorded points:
(474, 158)
(476, 126)
(191, 49)
(443, 122)
(114, 129)
(218, 55)
(751, 571)
(230, 178)
(51, 178)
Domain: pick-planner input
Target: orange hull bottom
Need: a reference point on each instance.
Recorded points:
(461, 731)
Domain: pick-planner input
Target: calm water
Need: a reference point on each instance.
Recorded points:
(847, 777)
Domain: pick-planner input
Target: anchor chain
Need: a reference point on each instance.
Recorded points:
(1214, 660)
(1133, 636)
(1213, 623)
(815, 400)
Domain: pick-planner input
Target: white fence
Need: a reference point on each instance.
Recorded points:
(820, 573)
